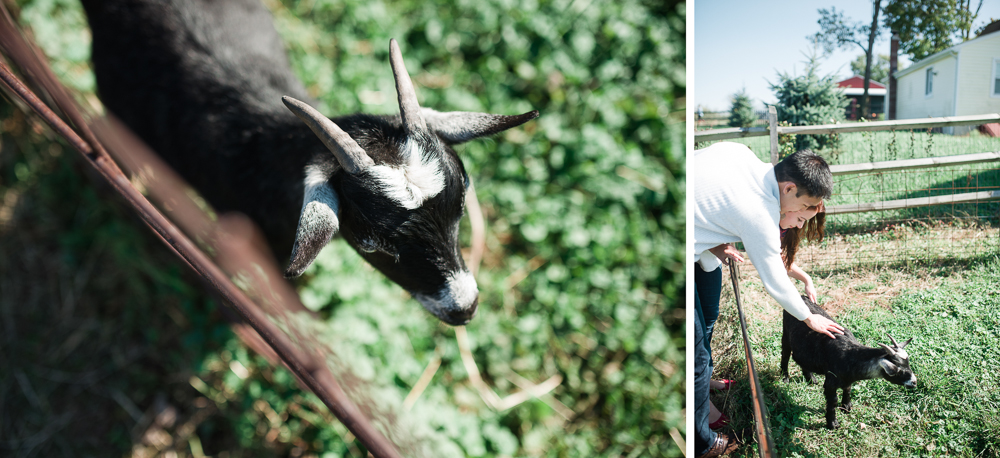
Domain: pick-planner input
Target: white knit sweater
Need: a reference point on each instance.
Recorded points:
(736, 199)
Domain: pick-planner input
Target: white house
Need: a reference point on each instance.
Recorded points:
(961, 80)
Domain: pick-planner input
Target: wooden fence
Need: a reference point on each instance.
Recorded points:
(875, 167)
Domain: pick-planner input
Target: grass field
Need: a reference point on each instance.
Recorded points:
(951, 311)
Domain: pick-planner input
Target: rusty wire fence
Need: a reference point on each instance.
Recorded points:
(905, 193)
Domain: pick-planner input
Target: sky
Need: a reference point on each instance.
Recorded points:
(745, 44)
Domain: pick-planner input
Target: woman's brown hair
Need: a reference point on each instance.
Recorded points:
(813, 230)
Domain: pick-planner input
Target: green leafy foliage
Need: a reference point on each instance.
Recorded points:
(592, 190)
(810, 99)
(741, 112)
(880, 67)
(583, 277)
(928, 26)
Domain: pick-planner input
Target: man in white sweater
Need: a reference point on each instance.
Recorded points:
(738, 198)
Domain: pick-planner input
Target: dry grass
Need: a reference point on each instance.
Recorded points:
(905, 246)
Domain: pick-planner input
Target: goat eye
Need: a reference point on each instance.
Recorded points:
(368, 246)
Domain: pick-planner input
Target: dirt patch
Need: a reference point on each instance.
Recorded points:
(859, 290)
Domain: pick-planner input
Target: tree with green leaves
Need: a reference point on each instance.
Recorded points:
(929, 26)
(880, 67)
(810, 99)
(741, 113)
(837, 32)
(968, 16)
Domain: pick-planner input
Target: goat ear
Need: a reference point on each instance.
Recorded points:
(317, 224)
(461, 126)
(905, 343)
(888, 367)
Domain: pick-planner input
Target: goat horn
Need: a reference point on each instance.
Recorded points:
(894, 344)
(349, 154)
(890, 350)
(409, 108)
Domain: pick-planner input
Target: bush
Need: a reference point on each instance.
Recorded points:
(741, 113)
(807, 100)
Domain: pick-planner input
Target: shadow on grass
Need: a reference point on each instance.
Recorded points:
(938, 267)
(784, 414)
(100, 332)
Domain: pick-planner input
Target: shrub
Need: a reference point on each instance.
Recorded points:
(810, 99)
(741, 113)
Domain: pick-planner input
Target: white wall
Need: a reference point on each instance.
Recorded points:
(976, 70)
(913, 103)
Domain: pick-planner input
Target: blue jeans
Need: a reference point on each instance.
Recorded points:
(707, 289)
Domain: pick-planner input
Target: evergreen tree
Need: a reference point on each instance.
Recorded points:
(741, 113)
(810, 99)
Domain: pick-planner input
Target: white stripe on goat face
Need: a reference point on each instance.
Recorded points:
(457, 294)
(420, 178)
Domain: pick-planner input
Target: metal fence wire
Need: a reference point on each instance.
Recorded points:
(923, 234)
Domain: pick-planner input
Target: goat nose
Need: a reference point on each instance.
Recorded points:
(461, 317)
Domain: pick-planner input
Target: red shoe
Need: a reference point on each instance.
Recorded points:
(722, 421)
(727, 384)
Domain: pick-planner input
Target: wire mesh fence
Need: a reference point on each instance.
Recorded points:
(922, 235)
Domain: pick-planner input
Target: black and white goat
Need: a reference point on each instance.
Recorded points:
(207, 84)
(843, 360)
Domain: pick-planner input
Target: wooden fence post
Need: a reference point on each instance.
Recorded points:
(772, 121)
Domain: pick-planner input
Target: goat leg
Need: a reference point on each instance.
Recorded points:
(830, 391)
(786, 352)
(846, 402)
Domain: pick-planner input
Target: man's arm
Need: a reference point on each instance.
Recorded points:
(761, 239)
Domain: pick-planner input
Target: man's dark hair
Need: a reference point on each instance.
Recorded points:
(808, 171)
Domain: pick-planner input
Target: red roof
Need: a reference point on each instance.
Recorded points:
(859, 82)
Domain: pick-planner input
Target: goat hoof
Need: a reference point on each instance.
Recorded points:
(846, 407)
(832, 424)
(784, 379)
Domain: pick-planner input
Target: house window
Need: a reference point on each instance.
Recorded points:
(929, 84)
(996, 77)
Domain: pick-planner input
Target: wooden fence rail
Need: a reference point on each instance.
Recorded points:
(900, 204)
(912, 164)
(903, 124)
